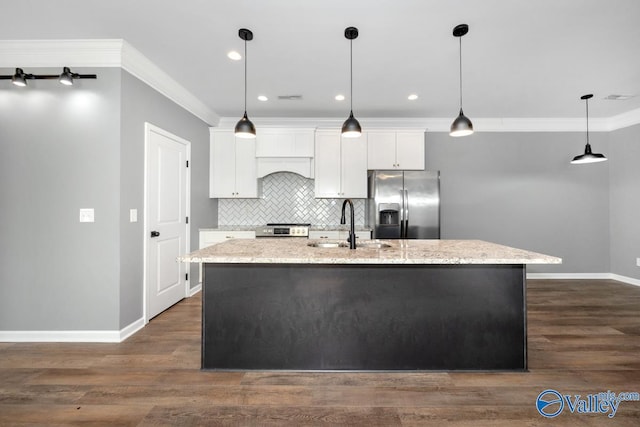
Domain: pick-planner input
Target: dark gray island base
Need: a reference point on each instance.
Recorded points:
(364, 317)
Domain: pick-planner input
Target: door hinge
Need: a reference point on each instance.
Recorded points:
(187, 219)
(186, 276)
(187, 163)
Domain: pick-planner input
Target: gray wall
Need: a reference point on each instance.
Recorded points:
(59, 152)
(62, 149)
(140, 104)
(519, 189)
(624, 159)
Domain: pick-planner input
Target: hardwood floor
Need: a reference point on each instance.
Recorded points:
(584, 338)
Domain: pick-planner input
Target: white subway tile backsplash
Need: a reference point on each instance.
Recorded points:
(287, 197)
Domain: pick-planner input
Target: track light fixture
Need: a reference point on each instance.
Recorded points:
(351, 127)
(588, 156)
(66, 78)
(244, 127)
(461, 126)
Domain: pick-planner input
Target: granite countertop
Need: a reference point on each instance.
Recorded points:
(296, 251)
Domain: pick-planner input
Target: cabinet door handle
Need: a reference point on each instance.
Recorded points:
(155, 234)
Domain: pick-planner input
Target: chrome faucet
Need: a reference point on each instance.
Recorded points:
(352, 231)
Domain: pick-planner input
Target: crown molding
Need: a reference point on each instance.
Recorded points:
(119, 53)
(102, 53)
(624, 120)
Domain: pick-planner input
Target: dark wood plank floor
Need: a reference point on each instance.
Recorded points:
(584, 337)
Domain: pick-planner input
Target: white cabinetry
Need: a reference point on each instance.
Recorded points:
(213, 237)
(340, 166)
(276, 142)
(395, 150)
(232, 171)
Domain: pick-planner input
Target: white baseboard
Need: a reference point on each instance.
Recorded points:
(72, 336)
(629, 280)
(195, 290)
(573, 276)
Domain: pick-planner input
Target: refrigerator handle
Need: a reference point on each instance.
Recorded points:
(402, 214)
(405, 202)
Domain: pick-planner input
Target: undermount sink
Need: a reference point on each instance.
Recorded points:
(328, 245)
(373, 244)
(367, 244)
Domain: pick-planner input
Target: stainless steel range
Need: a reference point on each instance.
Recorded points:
(283, 230)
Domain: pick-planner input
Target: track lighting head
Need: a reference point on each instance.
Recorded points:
(19, 78)
(66, 78)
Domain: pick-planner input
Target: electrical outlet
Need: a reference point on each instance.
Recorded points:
(87, 215)
(133, 215)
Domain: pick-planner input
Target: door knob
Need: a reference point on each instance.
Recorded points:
(155, 233)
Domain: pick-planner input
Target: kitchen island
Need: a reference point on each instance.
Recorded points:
(413, 305)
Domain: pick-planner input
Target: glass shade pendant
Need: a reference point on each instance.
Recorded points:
(244, 128)
(461, 126)
(588, 156)
(351, 127)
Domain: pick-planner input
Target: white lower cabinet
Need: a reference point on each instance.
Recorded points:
(213, 237)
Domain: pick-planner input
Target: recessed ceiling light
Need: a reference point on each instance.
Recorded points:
(234, 55)
(412, 97)
(619, 97)
(339, 97)
(262, 98)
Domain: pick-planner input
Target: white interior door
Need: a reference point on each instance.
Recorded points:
(166, 223)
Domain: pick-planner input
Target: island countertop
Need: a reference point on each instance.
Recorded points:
(298, 251)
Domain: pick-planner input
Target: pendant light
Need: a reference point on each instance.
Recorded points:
(244, 127)
(461, 126)
(588, 156)
(351, 128)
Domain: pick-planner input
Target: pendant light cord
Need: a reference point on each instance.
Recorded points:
(587, 106)
(460, 76)
(351, 74)
(245, 76)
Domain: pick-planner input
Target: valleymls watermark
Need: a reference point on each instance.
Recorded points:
(550, 403)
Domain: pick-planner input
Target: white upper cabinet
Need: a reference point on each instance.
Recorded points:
(275, 142)
(395, 150)
(232, 172)
(340, 166)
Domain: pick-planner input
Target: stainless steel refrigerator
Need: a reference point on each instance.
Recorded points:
(404, 204)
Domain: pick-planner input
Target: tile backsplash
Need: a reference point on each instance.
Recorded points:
(286, 197)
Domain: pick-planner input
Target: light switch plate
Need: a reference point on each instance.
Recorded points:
(133, 215)
(87, 215)
(638, 262)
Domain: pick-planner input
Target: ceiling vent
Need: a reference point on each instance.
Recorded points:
(619, 97)
(290, 97)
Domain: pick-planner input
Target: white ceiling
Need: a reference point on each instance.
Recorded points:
(521, 58)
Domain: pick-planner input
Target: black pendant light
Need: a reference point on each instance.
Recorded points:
(351, 128)
(588, 156)
(461, 126)
(244, 128)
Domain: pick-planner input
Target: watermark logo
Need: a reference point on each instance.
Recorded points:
(550, 403)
